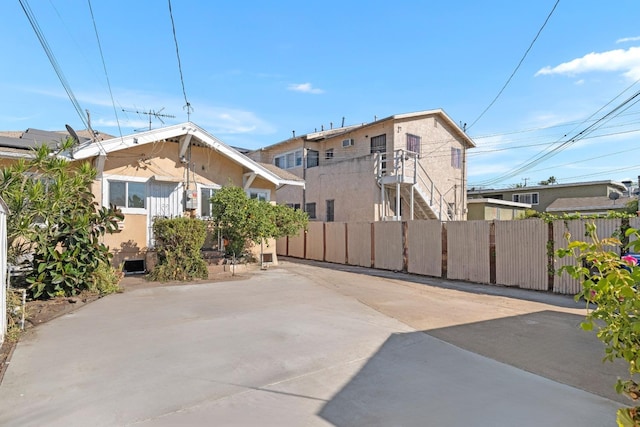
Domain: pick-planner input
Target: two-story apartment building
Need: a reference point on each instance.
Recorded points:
(404, 166)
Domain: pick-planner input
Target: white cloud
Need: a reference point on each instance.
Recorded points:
(627, 61)
(628, 39)
(304, 88)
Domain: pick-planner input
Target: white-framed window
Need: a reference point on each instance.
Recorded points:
(127, 193)
(260, 194)
(292, 159)
(530, 198)
(206, 193)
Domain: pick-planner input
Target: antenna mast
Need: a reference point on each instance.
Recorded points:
(152, 113)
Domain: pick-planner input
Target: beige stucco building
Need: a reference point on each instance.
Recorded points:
(167, 172)
(406, 166)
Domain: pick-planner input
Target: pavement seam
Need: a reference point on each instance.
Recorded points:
(251, 389)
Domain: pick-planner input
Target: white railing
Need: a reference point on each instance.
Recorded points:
(405, 168)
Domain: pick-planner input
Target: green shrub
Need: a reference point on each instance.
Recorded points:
(178, 244)
(610, 289)
(55, 222)
(106, 279)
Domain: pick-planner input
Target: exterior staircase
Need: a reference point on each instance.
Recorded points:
(406, 176)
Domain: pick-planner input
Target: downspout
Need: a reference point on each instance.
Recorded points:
(463, 184)
(304, 174)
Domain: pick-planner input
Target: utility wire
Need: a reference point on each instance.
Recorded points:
(187, 105)
(517, 67)
(52, 59)
(545, 154)
(104, 67)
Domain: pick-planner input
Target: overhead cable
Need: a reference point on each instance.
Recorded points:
(104, 67)
(516, 69)
(187, 105)
(52, 59)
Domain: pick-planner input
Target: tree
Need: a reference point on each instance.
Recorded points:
(244, 221)
(609, 287)
(552, 180)
(631, 206)
(55, 225)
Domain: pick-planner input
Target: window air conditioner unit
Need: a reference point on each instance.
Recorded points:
(347, 142)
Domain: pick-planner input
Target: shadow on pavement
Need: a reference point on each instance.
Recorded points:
(558, 300)
(424, 378)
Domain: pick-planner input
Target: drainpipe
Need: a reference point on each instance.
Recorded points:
(304, 174)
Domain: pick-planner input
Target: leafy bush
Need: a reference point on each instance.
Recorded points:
(610, 288)
(245, 221)
(178, 244)
(55, 222)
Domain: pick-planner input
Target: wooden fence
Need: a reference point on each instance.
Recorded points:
(507, 253)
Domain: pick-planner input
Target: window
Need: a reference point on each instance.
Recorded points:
(328, 154)
(126, 194)
(456, 158)
(262, 195)
(295, 206)
(288, 160)
(330, 211)
(413, 143)
(312, 158)
(530, 198)
(310, 209)
(379, 144)
(206, 193)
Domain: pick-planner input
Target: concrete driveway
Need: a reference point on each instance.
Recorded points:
(313, 345)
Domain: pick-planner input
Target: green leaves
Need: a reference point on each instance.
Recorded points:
(610, 288)
(53, 217)
(178, 244)
(244, 221)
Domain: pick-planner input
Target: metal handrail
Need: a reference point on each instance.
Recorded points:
(406, 165)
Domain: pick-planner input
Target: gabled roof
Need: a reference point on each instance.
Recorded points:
(92, 149)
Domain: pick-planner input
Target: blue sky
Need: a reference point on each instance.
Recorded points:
(255, 71)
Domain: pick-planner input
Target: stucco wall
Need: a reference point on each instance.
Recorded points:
(131, 242)
(352, 186)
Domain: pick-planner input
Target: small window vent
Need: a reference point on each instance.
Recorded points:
(347, 142)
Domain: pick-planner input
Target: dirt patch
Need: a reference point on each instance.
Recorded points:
(39, 312)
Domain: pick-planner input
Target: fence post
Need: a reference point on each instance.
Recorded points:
(405, 246)
(373, 246)
(443, 230)
(324, 241)
(492, 253)
(346, 244)
(551, 248)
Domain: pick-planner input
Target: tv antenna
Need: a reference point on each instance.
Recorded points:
(152, 113)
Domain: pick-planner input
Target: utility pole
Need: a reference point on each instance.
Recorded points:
(525, 181)
(152, 113)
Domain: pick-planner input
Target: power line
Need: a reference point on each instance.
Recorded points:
(517, 67)
(104, 67)
(187, 105)
(52, 59)
(545, 154)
